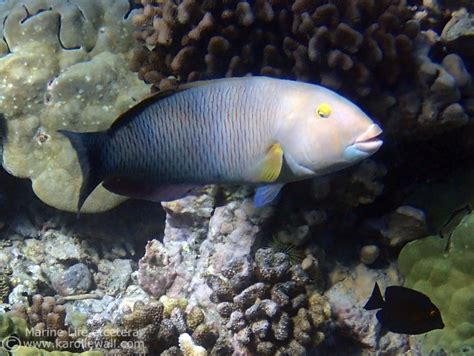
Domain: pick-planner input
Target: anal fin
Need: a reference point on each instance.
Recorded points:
(147, 191)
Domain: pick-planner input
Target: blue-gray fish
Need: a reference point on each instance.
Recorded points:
(252, 130)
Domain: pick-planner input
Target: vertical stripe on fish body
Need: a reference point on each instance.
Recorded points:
(210, 134)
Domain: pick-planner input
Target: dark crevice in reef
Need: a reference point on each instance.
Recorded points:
(63, 46)
(30, 15)
(4, 39)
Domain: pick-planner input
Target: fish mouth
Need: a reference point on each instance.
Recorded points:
(369, 141)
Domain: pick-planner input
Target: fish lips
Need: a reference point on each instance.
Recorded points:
(365, 145)
(369, 142)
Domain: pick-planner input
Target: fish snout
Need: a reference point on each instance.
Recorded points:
(369, 142)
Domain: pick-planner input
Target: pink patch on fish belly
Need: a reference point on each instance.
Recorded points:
(146, 191)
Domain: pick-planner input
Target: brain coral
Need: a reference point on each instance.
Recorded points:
(448, 279)
(63, 65)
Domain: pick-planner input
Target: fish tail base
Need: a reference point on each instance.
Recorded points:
(87, 147)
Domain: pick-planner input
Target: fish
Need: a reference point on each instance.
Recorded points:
(260, 131)
(404, 311)
(452, 222)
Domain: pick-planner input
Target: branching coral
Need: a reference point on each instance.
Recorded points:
(277, 314)
(308, 40)
(372, 51)
(73, 78)
(46, 319)
(158, 327)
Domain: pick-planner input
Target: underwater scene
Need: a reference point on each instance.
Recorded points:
(230, 177)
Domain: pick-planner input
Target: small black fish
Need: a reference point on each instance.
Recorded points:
(452, 222)
(405, 311)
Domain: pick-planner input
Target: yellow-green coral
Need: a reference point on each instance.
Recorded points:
(13, 326)
(76, 78)
(33, 351)
(448, 279)
(170, 303)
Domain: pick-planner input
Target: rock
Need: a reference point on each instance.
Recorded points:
(405, 224)
(368, 254)
(74, 280)
(61, 247)
(113, 276)
(458, 32)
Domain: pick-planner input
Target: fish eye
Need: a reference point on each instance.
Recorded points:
(433, 313)
(323, 110)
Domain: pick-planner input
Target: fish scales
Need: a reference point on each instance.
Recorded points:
(209, 135)
(251, 130)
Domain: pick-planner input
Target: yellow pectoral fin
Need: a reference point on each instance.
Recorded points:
(269, 169)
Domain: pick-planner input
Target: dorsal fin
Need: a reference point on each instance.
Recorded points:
(142, 105)
(375, 301)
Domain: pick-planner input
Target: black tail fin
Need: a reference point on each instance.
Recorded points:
(87, 146)
(375, 301)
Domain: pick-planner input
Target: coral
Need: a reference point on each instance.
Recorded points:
(46, 318)
(73, 78)
(311, 41)
(276, 312)
(447, 278)
(371, 51)
(247, 297)
(189, 348)
(5, 283)
(159, 326)
(271, 267)
(12, 325)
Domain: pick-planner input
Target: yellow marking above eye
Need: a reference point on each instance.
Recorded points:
(324, 110)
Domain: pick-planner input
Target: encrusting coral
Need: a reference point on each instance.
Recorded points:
(76, 79)
(445, 273)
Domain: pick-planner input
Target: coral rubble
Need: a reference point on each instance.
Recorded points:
(261, 304)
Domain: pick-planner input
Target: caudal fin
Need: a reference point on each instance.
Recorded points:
(375, 301)
(87, 146)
